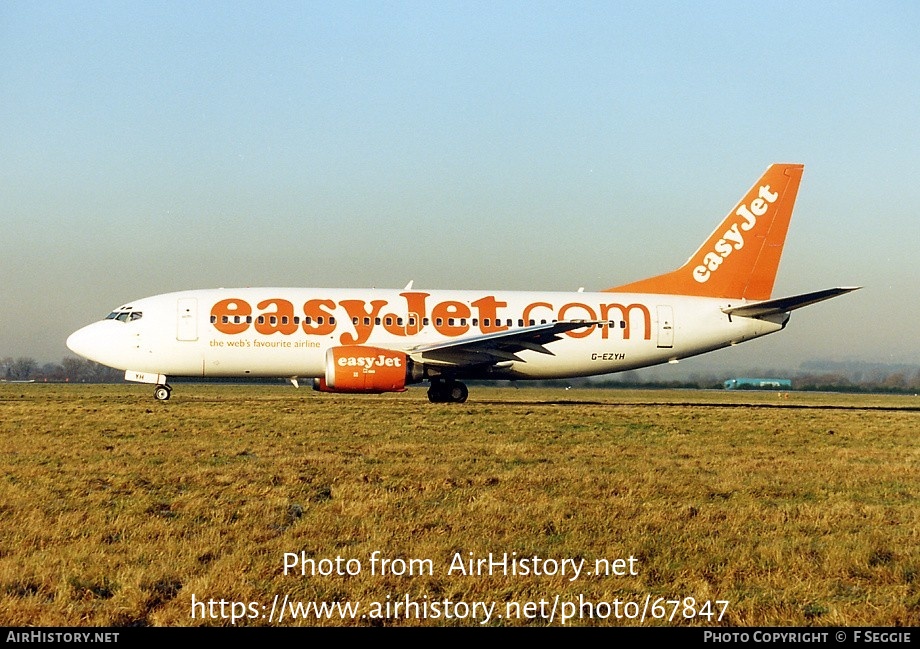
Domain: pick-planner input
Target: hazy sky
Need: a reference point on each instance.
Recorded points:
(159, 146)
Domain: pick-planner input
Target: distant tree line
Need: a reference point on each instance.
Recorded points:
(69, 370)
(894, 382)
(899, 379)
(897, 382)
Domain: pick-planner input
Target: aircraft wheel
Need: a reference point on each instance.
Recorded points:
(447, 392)
(457, 392)
(161, 392)
(436, 392)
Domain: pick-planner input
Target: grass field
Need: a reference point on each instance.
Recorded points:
(119, 510)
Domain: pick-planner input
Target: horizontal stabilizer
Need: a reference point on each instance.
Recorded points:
(786, 304)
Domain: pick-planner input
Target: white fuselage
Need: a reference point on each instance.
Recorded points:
(286, 332)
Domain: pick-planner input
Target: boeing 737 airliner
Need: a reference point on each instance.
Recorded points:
(374, 341)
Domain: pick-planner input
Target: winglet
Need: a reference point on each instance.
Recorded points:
(740, 259)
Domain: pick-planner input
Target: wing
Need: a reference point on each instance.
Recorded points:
(492, 348)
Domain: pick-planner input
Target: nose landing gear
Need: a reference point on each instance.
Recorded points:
(162, 392)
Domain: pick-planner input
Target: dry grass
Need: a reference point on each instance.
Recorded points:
(117, 510)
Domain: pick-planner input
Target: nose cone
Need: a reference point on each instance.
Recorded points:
(90, 342)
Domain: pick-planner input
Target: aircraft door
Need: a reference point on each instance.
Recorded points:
(665, 326)
(187, 319)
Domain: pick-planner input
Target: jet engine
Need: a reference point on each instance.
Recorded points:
(367, 370)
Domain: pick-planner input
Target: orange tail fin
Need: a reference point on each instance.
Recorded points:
(739, 259)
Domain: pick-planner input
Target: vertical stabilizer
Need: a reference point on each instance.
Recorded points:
(740, 259)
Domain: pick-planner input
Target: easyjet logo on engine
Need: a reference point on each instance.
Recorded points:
(369, 362)
(365, 370)
(733, 238)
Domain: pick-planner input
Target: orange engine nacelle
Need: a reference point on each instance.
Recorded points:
(359, 369)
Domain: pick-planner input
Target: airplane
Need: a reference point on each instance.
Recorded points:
(372, 341)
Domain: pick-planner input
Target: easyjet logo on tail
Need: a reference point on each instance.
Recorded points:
(733, 238)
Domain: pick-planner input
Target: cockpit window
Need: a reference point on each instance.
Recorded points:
(125, 315)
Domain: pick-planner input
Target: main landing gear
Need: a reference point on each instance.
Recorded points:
(162, 392)
(448, 391)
